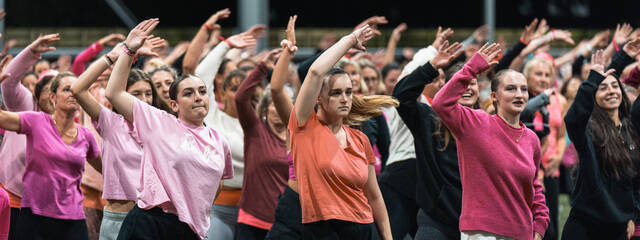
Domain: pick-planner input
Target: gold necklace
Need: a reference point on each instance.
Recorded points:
(521, 134)
(63, 133)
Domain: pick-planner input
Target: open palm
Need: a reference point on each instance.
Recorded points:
(140, 33)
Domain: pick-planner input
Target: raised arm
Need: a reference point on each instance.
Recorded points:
(305, 102)
(119, 98)
(17, 97)
(246, 112)
(554, 34)
(92, 51)
(620, 37)
(625, 57)
(199, 41)
(426, 54)
(9, 120)
(526, 37)
(281, 100)
(393, 43)
(580, 111)
(445, 103)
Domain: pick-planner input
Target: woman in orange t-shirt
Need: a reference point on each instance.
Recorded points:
(334, 164)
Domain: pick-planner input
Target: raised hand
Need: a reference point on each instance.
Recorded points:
(489, 53)
(529, 32)
(373, 22)
(598, 60)
(257, 31)
(270, 58)
(41, 44)
(111, 39)
(362, 35)
(241, 40)
(445, 54)
(222, 14)
(397, 32)
(541, 30)
(151, 47)
(562, 35)
(632, 48)
(441, 36)
(622, 33)
(139, 34)
(600, 39)
(291, 34)
(481, 33)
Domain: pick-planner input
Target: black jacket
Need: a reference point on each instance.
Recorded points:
(438, 189)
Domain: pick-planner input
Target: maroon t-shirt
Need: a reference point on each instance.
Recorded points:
(265, 155)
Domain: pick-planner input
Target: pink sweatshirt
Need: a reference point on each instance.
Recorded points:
(17, 98)
(500, 193)
(80, 62)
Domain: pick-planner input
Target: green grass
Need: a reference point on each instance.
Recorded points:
(563, 211)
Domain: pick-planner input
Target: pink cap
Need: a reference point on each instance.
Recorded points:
(50, 72)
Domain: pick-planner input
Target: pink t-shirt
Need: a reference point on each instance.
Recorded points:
(182, 165)
(17, 98)
(5, 214)
(53, 168)
(121, 156)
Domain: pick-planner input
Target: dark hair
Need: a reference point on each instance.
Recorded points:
(223, 66)
(56, 81)
(565, 85)
(173, 89)
(40, 85)
(41, 60)
(442, 132)
(613, 154)
(387, 68)
(136, 75)
(234, 74)
(29, 73)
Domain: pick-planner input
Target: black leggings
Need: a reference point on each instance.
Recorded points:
(36, 227)
(581, 228)
(13, 223)
(247, 232)
(154, 224)
(552, 190)
(337, 229)
(288, 223)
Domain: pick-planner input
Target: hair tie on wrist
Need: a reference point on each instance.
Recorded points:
(108, 59)
(128, 50)
(208, 27)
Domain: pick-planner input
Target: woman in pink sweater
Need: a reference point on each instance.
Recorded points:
(498, 168)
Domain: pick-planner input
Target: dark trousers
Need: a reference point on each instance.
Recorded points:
(583, 228)
(36, 227)
(429, 228)
(288, 223)
(398, 188)
(13, 223)
(244, 231)
(151, 224)
(552, 190)
(337, 229)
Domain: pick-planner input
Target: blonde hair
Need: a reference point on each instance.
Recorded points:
(380, 88)
(535, 62)
(365, 107)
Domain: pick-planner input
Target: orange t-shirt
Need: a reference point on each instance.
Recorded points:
(331, 179)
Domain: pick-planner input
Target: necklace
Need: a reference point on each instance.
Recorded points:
(63, 133)
(521, 134)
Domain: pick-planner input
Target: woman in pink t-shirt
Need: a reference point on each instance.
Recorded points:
(183, 162)
(121, 152)
(57, 149)
(339, 192)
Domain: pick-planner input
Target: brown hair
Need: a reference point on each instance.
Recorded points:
(362, 107)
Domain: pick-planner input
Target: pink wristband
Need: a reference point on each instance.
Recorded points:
(128, 51)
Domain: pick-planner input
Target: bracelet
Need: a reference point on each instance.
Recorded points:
(553, 34)
(615, 45)
(108, 59)
(208, 27)
(128, 50)
(225, 40)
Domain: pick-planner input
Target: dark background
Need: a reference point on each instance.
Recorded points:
(329, 13)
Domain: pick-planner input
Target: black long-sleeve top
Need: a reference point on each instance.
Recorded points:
(596, 196)
(506, 60)
(438, 187)
(619, 61)
(535, 104)
(377, 131)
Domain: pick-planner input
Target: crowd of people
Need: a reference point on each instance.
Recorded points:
(467, 140)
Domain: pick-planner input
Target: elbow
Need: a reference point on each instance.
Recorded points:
(313, 72)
